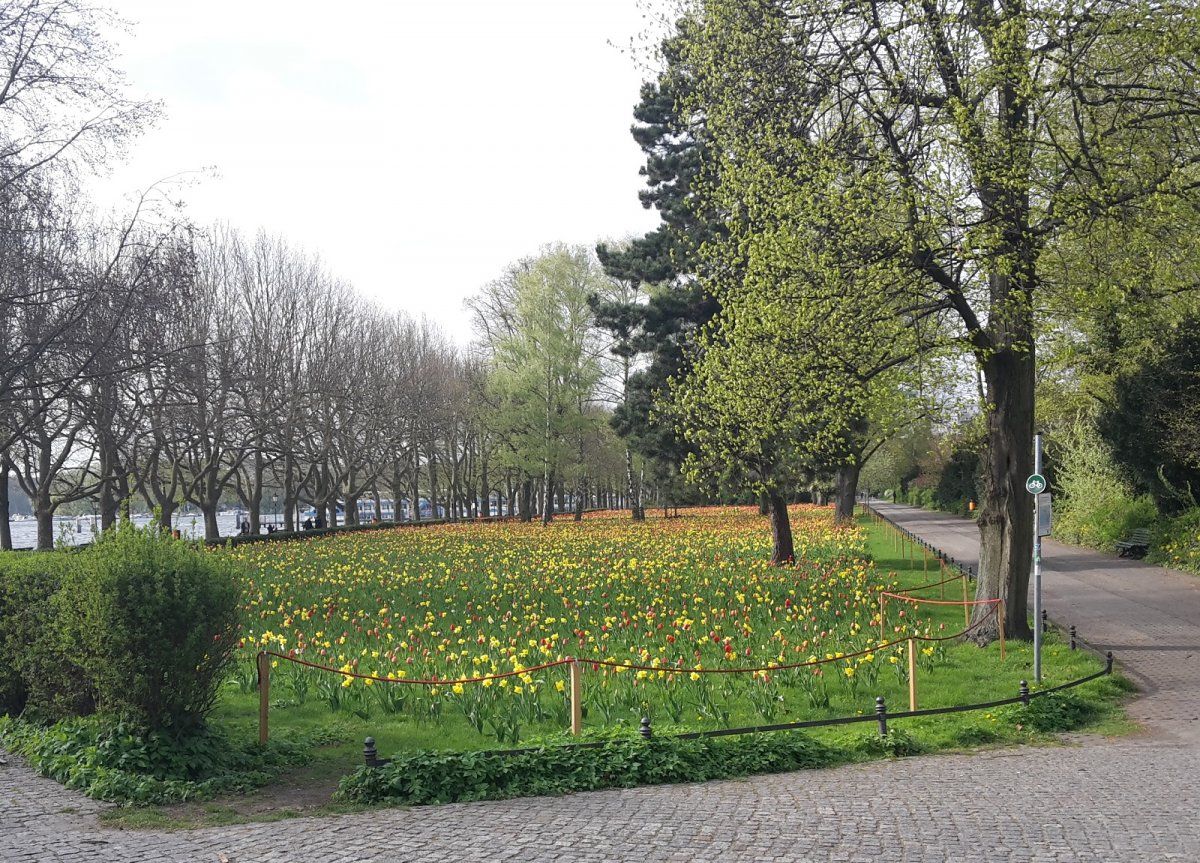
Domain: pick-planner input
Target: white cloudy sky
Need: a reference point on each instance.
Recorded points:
(419, 145)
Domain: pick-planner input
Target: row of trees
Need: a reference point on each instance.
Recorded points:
(240, 366)
(153, 363)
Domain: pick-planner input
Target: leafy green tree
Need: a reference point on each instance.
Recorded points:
(897, 462)
(844, 318)
(996, 128)
(738, 409)
(1096, 504)
(545, 366)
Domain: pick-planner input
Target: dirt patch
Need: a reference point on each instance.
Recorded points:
(303, 791)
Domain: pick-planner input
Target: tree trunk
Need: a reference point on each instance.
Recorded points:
(1006, 356)
(526, 500)
(290, 503)
(1005, 513)
(43, 510)
(211, 529)
(109, 497)
(640, 500)
(254, 504)
(548, 498)
(431, 469)
(485, 490)
(764, 504)
(782, 549)
(5, 510)
(847, 490)
(166, 514)
(414, 506)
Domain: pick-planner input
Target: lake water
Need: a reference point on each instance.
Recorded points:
(74, 531)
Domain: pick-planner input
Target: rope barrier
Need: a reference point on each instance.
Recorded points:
(932, 584)
(965, 632)
(922, 599)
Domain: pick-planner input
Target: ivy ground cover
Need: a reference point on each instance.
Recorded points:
(654, 608)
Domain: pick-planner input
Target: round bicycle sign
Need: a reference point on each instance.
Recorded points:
(1036, 484)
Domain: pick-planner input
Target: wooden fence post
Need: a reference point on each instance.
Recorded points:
(912, 674)
(966, 608)
(264, 695)
(1000, 624)
(576, 697)
(882, 599)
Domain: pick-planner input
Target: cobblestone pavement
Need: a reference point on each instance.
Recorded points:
(1134, 799)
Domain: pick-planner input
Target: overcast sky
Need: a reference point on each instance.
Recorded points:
(418, 145)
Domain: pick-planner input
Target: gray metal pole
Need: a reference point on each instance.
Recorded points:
(1037, 569)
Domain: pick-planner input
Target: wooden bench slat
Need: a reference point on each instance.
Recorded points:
(1137, 539)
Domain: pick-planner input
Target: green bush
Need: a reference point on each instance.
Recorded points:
(36, 675)
(445, 777)
(1096, 504)
(1150, 422)
(152, 623)
(897, 744)
(1176, 541)
(111, 760)
(957, 485)
(1053, 713)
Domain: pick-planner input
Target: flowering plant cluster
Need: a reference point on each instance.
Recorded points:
(654, 608)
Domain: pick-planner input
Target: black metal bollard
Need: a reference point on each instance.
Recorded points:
(1024, 693)
(1072, 636)
(881, 715)
(1108, 662)
(645, 729)
(370, 756)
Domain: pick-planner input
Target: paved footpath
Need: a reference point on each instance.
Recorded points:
(1135, 799)
(1148, 616)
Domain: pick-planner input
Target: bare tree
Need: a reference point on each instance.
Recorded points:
(62, 99)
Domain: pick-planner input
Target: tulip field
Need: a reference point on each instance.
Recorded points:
(451, 627)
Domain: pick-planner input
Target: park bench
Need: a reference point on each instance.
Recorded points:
(1135, 545)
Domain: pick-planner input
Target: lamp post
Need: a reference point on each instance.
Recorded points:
(275, 509)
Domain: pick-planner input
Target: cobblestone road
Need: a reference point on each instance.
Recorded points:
(1134, 800)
